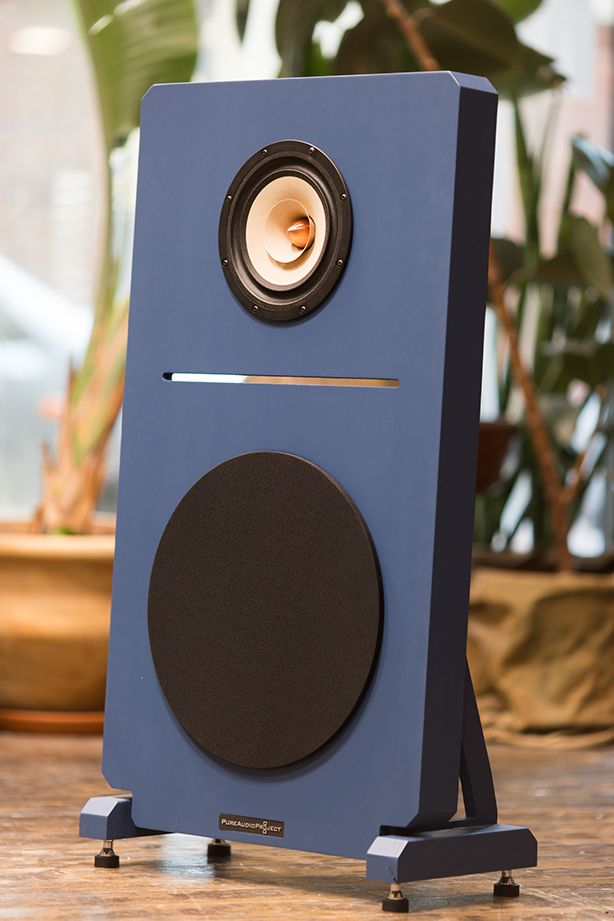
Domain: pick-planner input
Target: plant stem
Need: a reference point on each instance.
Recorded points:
(409, 27)
(535, 421)
(577, 477)
(73, 475)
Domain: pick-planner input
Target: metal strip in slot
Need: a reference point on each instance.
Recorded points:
(186, 377)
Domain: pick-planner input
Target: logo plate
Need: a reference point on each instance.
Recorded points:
(272, 828)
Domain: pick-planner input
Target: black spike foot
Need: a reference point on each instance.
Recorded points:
(218, 850)
(506, 888)
(107, 857)
(395, 900)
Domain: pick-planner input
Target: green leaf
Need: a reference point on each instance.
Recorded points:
(591, 258)
(510, 256)
(241, 14)
(478, 36)
(532, 72)
(519, 9)
(530, 181)
(132, 46)
(375, 45)
(316, 64)
(582, 262)
(294, 26)
(598, 164)
(587, 315)
(473, 36)
(561, 271)
(590, 361)
(604, 362)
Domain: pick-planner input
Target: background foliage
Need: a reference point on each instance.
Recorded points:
(131, 46)
(559, 301)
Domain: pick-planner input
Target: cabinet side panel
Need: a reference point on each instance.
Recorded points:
(458, 453)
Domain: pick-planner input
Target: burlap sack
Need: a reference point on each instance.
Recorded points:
(541, 651)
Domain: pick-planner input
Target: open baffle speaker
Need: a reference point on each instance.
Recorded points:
(287, 655)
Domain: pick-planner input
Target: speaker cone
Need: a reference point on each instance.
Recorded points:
(285, 230)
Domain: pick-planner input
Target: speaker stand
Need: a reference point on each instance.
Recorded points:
(474, 844)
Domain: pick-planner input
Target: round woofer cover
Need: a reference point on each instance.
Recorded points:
(276, 271)
(265, 610)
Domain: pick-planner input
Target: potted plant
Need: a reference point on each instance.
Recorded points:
(55, 571)
(542, 626)
(540, 642)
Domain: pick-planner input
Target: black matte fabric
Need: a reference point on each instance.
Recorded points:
(265, 610)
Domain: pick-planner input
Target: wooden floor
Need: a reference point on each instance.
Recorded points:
(47, 872)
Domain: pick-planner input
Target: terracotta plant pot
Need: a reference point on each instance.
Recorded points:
(493, 445)
(55, 595)
(541, 648)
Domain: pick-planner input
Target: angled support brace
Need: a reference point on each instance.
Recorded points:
(475, 844)
(476, 780)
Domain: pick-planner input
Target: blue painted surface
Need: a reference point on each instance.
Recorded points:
(395, 139)
(109, 817)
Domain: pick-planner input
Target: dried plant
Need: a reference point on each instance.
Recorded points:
(131, 47)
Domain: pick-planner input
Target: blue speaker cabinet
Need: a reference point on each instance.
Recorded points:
(287, 656)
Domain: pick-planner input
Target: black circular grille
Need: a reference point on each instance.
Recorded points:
(265, 610)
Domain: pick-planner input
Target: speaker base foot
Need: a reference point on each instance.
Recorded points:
(106, 819)
(455, 850)
(218, 850)
(107, 858)
(395, 901)
(506, 888)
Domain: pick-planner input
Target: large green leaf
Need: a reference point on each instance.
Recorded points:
(592, 362)
(591, 258)
(294, 27)
(582, 261)
(560, 271)
(510, 257)
(474, 36)
(532, 72)
(375, 45)
(519, 9)
(132, 46)
(478, 36)
(598, 164)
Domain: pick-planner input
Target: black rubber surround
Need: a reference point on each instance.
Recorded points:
(262, 299)
(265, 610)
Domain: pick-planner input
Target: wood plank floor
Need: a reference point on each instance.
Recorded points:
(47, 872)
